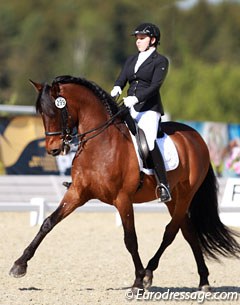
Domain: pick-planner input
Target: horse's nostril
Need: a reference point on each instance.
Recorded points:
(55, 152)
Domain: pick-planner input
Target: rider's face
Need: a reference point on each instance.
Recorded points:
(142, 42)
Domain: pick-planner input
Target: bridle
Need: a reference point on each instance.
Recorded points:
(66, 131)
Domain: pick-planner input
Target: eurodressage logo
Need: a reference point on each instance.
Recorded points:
(199, 296)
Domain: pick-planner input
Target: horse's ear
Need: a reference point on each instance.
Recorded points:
(37, 86)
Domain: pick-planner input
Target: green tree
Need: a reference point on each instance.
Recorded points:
(91, 38)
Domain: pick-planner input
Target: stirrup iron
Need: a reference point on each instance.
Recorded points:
(164, 193)
(67, 184)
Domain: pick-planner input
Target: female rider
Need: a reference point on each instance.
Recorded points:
(145, 73)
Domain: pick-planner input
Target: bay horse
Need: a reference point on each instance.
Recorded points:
(105, 167)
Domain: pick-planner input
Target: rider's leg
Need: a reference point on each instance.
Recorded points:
(160, 174)
(148, 121)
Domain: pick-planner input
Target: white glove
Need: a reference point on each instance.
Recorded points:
(130, 101)
(116, 91)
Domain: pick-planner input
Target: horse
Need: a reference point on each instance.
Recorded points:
(106, 167)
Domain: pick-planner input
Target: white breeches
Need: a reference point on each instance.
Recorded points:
(148, 121)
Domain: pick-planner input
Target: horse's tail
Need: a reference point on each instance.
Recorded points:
(214, 237)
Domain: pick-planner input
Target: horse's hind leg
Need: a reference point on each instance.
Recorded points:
(169, 235)
(191, 237)
(66, 206)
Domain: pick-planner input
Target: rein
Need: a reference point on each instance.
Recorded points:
(104, 126)
(99, 129)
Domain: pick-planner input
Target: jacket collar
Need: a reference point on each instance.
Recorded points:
(148, 60)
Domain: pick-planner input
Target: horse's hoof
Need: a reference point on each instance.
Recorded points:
(137, 291)
(205, 288)
(134, 293)
(137, 288)
(18, 270)
(147, 280)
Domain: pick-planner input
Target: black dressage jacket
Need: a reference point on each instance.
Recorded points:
(146, 82)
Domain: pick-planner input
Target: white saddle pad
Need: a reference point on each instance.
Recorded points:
(168, 150)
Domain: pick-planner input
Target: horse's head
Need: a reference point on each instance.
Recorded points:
(57, 122)
(73, 102)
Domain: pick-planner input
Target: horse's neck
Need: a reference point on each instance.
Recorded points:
(87, 110)
(91, 114)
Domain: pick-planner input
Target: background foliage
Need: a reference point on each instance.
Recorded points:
(40, 40)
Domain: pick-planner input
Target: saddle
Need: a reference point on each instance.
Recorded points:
(164, 142)
(141, 140)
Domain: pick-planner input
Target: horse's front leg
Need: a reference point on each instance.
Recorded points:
(130, 239)
(69, 203)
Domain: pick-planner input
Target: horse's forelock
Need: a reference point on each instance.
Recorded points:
(44, 102)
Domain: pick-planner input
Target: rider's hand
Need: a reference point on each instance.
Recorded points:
(116, 91)
(130, 101)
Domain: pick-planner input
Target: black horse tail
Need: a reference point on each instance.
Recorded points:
(214, 237)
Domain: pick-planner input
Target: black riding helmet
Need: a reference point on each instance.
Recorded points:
(149, 29)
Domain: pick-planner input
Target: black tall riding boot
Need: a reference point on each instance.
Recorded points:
(160, 174)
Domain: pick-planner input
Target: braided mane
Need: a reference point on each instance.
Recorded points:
(110, 105)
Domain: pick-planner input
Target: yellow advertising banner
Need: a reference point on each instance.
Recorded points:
(22, 147)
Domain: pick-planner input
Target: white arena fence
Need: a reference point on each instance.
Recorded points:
(41, 195)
